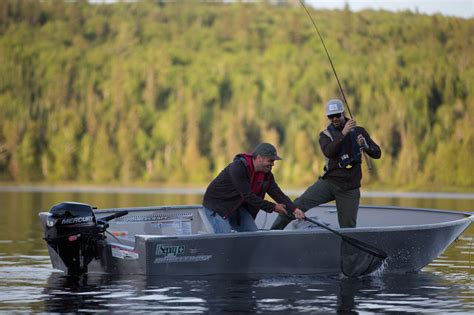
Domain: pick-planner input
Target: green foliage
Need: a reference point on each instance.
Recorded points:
(171, 91)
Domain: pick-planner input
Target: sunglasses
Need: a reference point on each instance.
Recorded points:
(334, 116)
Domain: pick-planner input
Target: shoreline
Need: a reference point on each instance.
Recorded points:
(200, 191)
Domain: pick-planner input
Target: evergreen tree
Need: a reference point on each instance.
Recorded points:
(171, 91)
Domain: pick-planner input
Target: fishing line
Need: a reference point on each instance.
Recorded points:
(329, 57)
(363, 153)
(470, 253)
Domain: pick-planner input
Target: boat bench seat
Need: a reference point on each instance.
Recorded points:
(172, 220)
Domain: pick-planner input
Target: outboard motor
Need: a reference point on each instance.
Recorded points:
(74, 233)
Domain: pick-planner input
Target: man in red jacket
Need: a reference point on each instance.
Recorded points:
(233, 199)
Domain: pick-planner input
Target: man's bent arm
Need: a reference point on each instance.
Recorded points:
(239, 176)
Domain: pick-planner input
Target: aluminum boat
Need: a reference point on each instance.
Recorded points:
(179, 240)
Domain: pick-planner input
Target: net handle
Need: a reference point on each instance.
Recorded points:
(354, 242)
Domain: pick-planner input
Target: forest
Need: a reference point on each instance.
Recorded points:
(158, 92)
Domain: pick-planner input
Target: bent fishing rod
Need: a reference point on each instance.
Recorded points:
(369, 165)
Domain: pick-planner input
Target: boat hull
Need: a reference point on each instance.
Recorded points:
(303, 250)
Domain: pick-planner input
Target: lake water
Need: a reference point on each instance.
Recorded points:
(29, 284)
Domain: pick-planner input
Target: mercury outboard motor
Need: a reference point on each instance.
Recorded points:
(73, 232)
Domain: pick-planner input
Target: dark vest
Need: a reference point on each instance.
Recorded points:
(345, 159)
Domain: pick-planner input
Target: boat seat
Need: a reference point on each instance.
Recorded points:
(171, 220)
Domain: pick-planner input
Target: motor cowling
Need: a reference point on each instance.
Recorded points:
(72, 231)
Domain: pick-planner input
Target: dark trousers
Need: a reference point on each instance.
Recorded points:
(323, 191)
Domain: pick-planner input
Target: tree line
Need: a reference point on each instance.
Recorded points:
(169, 92)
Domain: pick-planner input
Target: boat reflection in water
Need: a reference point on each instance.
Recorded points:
(418, 292)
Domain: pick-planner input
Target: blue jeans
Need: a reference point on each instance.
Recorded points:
(241, 221)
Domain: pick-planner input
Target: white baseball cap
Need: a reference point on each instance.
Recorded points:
(334, 106)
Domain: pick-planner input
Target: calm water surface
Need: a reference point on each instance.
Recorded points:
(29, 284)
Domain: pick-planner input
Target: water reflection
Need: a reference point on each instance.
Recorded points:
(107, 293)
(28, 284)
(71, 294)
(284, 294)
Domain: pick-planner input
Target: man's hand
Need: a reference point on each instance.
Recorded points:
(351, 123)
(280, 209)
(362, 142)
(299, 214)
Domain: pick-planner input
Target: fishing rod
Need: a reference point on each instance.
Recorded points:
(329, 57)
(369, 165)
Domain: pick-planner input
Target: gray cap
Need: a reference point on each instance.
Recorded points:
(334, 106)
(267, 150)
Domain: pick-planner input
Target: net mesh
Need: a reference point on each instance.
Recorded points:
(356, 262)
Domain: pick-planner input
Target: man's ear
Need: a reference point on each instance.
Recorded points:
(257, 159)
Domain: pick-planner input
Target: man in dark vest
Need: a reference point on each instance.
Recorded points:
(233, 199)
(343, 144)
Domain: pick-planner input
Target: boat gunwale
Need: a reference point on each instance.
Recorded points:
(326, 205)
(468, 217)
(345, 231)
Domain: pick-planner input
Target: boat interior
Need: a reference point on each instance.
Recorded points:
(166, 221)
(191, 220)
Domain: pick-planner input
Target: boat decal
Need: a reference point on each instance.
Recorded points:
(174, 254)
(155, 218)
(181, 259)
(119, 233)
(123, 253)
(78, 220)
(176, 227)
(169, 250)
